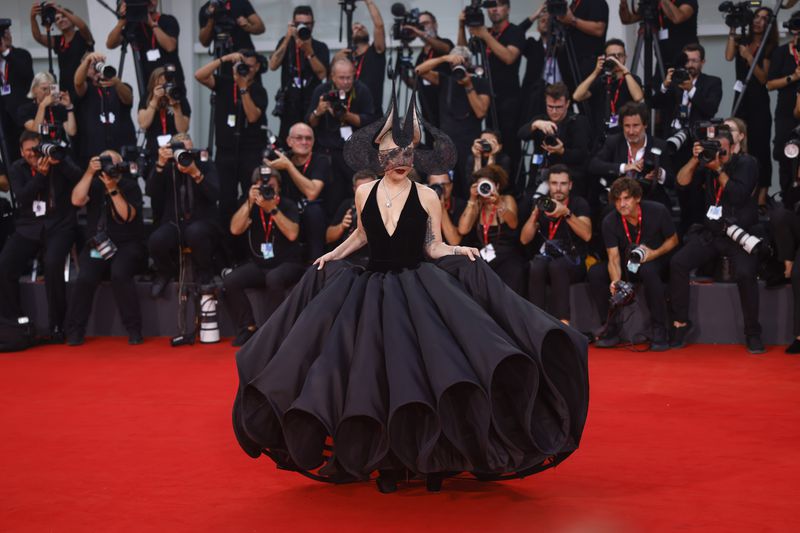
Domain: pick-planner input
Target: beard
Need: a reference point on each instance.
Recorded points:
(361, 38)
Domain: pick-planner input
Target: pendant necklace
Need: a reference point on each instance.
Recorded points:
(388, 199)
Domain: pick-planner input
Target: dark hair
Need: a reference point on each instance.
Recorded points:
(725, 133)
(560, 169)
(364, 175)
(431, 15)
(695, 47)
(772, 38)
(28, 135)
(496, 173)
(303, 10)
(557, 91)
(496, 133)
(614, 42)
(621, 185)
(630, 109)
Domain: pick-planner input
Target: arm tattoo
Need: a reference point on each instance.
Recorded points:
(429, 238)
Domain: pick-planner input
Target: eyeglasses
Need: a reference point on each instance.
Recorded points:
(308, 138)
(616, 56)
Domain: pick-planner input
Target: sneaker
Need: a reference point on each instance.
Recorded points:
(754, 344)
(659, 342)
(794, 348)
(243, 336)
(678, 337)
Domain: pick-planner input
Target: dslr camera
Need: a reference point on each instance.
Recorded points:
(272, 149)
(473, 14)
(184, 156)
(459, 72)
(172, 86)
(739, 14)
(793, 24)
(136, 10)
(224, 23)
(48, 14)
(546, 204)
(112, 169)
(623, 295)
(105, 70)
(53, 150)
(266, 190)
(486, 187)
(405, 17)
(338, 100)
(557, 8)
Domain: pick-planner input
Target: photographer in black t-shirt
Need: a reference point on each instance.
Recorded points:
(272, 228)
(304, 63)
(452, 207)
(186, 196)
(676, 21)
(16, 74)
(488, 150)
(639, 236)
(730, 182)
(560, 229)
(165, 111)
(239, 121)
(230, 23)
(586, 22)
(304, 176)
(75, 40)
(113, 202)
(345, 221)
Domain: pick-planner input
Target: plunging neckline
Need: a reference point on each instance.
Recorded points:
(400, 216)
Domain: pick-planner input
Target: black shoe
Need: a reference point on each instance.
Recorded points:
(57, 336)
(386, 484)
(159, 284)
(659, 342)
(754, 345)
(243, 336)
(433, 482)
(794, 348)
(678, 339)
(75, 338)
(609, 338)
(135, 338)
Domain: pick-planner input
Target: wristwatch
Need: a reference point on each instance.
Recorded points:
(568, 215)
(789, 80)
(113, 192)
(274, 211)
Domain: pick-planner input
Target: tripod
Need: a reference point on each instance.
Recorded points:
(403, 68)
(127, 39)
(223, 43)
(347, 8)
(478, 49)
(558, 39)
(648, 39)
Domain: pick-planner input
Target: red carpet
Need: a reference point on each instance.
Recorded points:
(115, 438)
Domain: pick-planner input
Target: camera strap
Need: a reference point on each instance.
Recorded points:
(267, 227)
(553, 228)
(102, 220)
(163, 116)
(718, 190)
(613, 101)
(792, 49)
(361, 65)
(499, 34)
(628, 232)
(64, 44)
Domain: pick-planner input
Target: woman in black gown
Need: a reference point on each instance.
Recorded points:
(409, 367)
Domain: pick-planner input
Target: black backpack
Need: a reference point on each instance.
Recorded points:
(15, 337)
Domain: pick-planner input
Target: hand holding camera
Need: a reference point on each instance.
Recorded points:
(280, 161)
(553, 145)
(347, 220)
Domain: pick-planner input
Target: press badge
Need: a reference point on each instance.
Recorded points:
(633, 268)
(426, 83)
(613, 121)
(714, 212)
(39, 208)
(231, 121)
(538, 159)
(163, 140)
(346, 132)
(487, 253)
(153, 55)
(297, 83)
(738, 86)
(5, 90)
(108, 118)
(663, 35)
(267, 251)
(94, 254)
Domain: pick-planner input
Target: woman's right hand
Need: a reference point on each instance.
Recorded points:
(324, 259)
(473, 192)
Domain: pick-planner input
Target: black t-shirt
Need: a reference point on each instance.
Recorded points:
(505, 78)
(783, 63)
(317, 168)
(119, 232)
(232, 9)
(302, 82)
(146, 43)
(456, 117)
(163, 123)
(260, 233)
(328, 130)
(53, 115)
(608, 98)
(105, 121)
(371, 71)
(562, 232)
(18, 74)
(656, 227)
(178, 198)
(588, 46)
(70, 55)
(229, 116)
(428, 92)
(679, 34)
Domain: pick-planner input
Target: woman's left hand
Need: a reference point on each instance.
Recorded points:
(472, 253)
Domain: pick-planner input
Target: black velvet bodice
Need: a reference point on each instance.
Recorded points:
(405, 247)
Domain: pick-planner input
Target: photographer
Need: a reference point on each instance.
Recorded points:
(676, 22)
(369, 59)
(235, 19)
(493, 218)
(113, 202)
(785, 228)
(50, 113)
(339, 107)
(165, 111)
(304, 176)
(304, 65)
(346, 221)
(272, 228)
(75, 40)
(560, 137)
(16, 75)
(186, 196)
(784, 74)
(504, 43)
(463, 103)
(155, 37)
(755, 102)
(452, 207)
(434, 46)
(586, 24)
(636, 154)
(730, 182)
(42, 181)
(239, 121)
(638, 236)
(561, 256)
(105, 104)
(488, 150)
(609, 87)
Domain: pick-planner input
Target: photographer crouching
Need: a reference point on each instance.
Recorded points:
(113, 202)
(638, 236)
(560, 259)
(184, 188)
(275, 257)
(730, 182)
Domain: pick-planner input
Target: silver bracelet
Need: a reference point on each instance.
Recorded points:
(455, 250)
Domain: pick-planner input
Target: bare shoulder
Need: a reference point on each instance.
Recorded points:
(427, 196)
(363, 192)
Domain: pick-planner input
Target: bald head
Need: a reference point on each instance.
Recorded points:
(342, 74)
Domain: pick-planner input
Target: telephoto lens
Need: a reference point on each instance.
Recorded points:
(303, 32)
(637, 255)
(551, 140)
(546, 204)
(106, 71)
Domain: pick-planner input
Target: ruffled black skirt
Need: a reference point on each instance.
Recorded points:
(441, 368)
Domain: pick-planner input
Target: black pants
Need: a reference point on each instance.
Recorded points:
(128, 261)
(698, 251)
(560, 273)
(13, 260)
(652, 275)
(252, 276)
(200, 235)
(314, 225)
(785, 226)
(235, 171)
(341, 184)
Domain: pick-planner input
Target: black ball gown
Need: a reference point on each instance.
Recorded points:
(430, 367)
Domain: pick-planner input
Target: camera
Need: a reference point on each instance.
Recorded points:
(701, 130)
(303, 31)
(266, 190)
(104, 245)
(551, 140)
(749, 243)
(459, 72)
(184, 156)
(739, 14)
(405, 17)
(486, 187)
(242, 68)
(56, 151)
(136, 158)
(486, 146)
(438, 189)
(338, 100)
(105, 70)
(677, 139)
(4, 25)
(136, 10)
(473, 16)
(546, 204)
(792, 147)
(557, 8)
(48, 14)
(711, 147)
(793, 24)
(637, 255)
(173, 90)
(652, 161)
(112, 169)
(609, 65)
(224, 23)
(680, 75)
(623, 295)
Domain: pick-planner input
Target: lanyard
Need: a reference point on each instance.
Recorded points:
(297, 59)
(305, 167)
(575, 5)
(156, 16)
(64, 44)
(627, 231)
(486, 225)
(497, 37)
(235, 94)
(719, 189)
(163, 121)
(616, 96)
(102, 95)
(267, 228)
(792, 49)
(360, 66)
(553, 228)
